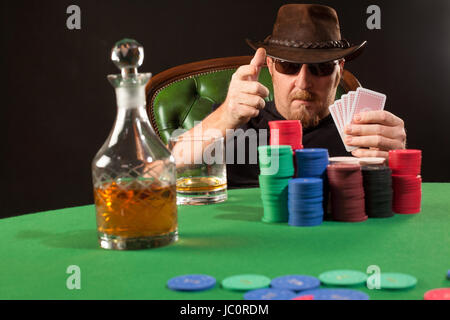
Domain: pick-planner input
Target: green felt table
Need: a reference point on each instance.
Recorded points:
(221, 240)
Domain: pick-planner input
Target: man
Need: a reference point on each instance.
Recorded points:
(305, 56)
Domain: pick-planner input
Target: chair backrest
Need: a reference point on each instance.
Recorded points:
(179, 96)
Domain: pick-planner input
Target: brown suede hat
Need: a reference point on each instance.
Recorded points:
(307, 33)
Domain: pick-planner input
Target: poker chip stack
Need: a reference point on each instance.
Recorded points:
(286, 132)
(347, 192)
(305, 197)
(406, 180)
(312, 163)
(377, 184)
(276, 169)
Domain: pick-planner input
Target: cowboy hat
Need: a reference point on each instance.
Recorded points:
(307, 33)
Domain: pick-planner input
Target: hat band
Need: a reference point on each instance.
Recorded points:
(342, 44)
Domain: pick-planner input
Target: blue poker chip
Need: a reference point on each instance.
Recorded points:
(336, 294)
(299, 222)
(306, 195)
(307, 210)
(305, 202)
(300, 203)
(305, 182)
(296, 223)
(311, 162)
(295, 282)
(295, 216)
(191, 282)
(298, 200)
(306, 214)
(270, 294)
(301, 206)
(448, 274)
(300, 218)
(312, 151)
(305, 207)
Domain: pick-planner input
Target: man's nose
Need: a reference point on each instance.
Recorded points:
(304, 78)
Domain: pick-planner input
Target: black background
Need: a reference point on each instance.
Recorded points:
(58, 108)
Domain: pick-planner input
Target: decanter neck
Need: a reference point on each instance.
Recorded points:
(130, 97)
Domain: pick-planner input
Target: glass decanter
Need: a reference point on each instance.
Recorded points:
(133, 173)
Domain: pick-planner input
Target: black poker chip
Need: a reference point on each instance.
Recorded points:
(377, 182)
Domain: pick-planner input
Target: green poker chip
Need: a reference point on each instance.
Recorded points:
(280, 149)
(275, 161)
(397, 281)
(245, 282)
(343, 278)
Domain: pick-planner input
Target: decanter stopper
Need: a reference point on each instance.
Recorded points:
(127, 55)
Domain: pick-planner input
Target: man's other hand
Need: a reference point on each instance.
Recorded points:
(380, 131)
(246, 95)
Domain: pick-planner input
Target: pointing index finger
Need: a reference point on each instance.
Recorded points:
(258, 60)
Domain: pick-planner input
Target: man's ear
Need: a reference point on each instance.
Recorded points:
(341, 71)
(269, 63)
(341, 66)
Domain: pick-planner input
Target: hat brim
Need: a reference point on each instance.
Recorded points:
(301, 55)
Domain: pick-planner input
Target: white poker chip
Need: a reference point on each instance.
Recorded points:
(361, 161)
(371, 161)
(334, 160)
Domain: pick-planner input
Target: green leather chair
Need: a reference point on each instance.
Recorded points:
(179, 96)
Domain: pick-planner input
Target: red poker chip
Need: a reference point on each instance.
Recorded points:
(286, 140)
(405, 162)
(407, 194)
(286, 133)
(406, 211)
(295, 145)
(407, 178)
(411, 153)
(437, 294)
(289, 133)
(305, 297)
(283, 129)
(285, 123)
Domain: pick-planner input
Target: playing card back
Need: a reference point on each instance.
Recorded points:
(367, 100)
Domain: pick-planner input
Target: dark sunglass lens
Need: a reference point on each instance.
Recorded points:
(322, 69)
(287, 67)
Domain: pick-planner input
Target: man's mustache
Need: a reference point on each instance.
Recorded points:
(302, 95)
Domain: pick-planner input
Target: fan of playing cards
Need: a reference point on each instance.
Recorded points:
(352, 103)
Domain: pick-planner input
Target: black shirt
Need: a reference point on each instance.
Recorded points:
(324, 135)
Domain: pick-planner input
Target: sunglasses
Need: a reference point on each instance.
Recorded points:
(317, 69)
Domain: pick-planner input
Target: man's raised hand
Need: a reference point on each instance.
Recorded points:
(246, 95)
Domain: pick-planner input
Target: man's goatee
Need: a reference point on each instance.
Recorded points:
(307, 117)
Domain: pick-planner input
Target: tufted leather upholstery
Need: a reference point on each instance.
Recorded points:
(179, 96)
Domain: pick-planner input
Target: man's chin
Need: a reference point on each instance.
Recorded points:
(307, 117)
